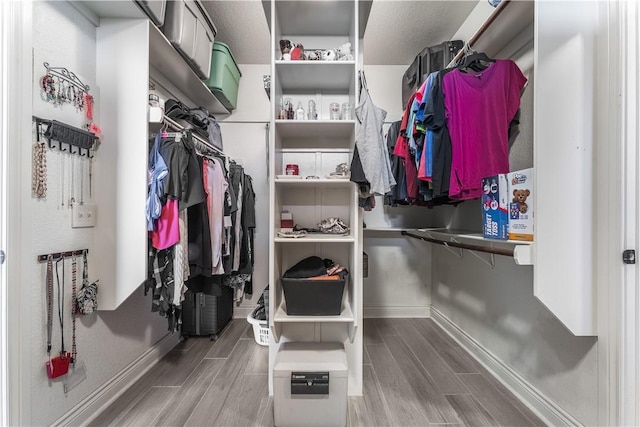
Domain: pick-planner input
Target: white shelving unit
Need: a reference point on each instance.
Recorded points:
(125, 36)
(317, 147)
(164, 59)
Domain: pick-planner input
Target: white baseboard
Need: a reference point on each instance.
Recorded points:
(397, 311)
(88, 409)
(543, 407)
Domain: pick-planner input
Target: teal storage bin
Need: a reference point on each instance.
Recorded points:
(225, 75)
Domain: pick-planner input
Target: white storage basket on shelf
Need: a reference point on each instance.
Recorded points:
(260, 329)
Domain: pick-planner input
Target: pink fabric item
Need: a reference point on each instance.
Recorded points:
(422, 169)
(167, 232)
(215, 185)
(479, 107)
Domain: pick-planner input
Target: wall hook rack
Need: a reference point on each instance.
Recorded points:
(59, 255)
(66, 136)
(66, 75)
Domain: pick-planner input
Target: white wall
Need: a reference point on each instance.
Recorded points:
(107, 341)
(399, 281)
(496, 307)
(244, 136)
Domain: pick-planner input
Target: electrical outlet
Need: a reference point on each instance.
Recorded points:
(83, 215)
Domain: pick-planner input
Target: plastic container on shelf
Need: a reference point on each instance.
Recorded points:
(312, 297)
(191, 31)
(224, 78)
(155, 10)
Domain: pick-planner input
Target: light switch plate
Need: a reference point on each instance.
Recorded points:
(83, 215)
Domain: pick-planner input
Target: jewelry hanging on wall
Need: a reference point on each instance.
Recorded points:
(61, 86)
(89, 106)
(62, 171)
(39, 171)
(82, 161)
(47, 83)
(72, 191)
(90, 177)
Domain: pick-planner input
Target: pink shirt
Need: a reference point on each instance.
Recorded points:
(167, 232)
(479, 107)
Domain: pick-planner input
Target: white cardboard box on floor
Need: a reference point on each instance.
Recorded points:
(310, 384)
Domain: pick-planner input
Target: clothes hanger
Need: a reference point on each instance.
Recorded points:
(476, 61)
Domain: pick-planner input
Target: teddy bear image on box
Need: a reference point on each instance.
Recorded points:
(520, 197)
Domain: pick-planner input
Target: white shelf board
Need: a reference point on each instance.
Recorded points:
(385, 230)
(447, 234)
(315, 17)
(167, 61)
(523, 252)
(315, 75)
(315, 238)
(96, 9)
(345, 317)
(313, 183)
(512, 20)
(315, 128)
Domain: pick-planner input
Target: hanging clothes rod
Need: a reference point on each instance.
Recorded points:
(57, 255)
(489, 250)
(474, 38)
(173, 125)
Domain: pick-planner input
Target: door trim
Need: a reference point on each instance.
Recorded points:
(17, 69)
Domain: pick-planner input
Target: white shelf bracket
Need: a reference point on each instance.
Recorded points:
(457, 252)
(490, 261)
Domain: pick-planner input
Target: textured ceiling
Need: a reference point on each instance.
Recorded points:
(242, 25)
(397, 29)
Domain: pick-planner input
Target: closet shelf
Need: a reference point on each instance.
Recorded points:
(345, 316)
(313, 183)
(315, 128)
(315, 18)
(169, 63)
(315, 238)
(521, 251)
(309, 19)
(507, 21)
(311, 76)
(385, 230)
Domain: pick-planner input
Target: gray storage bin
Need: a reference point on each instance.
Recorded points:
(189, 28)
(155, 10)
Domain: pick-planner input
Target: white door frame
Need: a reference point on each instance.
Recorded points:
(629, 403)
(16, 69)
(617, 193)
(4, 383)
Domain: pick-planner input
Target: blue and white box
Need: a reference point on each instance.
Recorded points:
(495, 207)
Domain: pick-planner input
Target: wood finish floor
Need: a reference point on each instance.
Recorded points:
(414, 375)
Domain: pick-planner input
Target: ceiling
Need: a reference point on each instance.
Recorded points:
(397, 29)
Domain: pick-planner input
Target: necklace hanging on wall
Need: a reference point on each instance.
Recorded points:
(39, 170)
(72, 192)
(62, 172)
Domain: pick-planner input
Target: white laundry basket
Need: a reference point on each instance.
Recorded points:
(260, 329)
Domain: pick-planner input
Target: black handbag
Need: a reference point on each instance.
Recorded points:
(184, 116)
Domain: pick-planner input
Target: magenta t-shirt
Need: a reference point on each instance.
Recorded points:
(479, 107)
